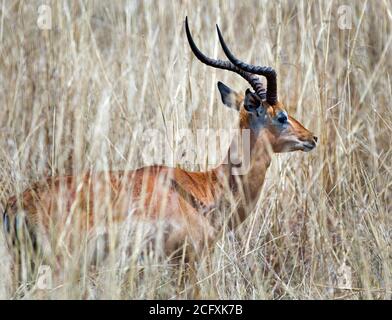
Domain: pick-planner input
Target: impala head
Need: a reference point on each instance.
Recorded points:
(283, 132)
(260, 111)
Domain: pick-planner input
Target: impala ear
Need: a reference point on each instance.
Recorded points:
(251, 101)
(228, 96)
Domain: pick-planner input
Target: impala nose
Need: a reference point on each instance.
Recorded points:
(311, 145)
(308, 145)
(315, 138)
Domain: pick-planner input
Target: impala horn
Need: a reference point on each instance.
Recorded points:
(252, 79)
(267, 72)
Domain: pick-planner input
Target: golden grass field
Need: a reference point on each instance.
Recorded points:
(78, 96)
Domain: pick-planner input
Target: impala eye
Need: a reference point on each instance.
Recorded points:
(282, 118)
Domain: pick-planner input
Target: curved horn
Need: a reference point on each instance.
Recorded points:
(252, 79)
(267, 72)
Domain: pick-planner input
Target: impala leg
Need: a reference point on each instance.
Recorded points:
(22, 246)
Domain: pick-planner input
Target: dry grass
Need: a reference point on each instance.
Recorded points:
(77, 97)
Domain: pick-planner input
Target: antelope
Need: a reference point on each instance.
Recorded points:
(185, 201)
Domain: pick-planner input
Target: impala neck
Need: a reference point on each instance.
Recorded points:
(247, 186)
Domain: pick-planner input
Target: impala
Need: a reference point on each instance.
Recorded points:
(186, 202)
